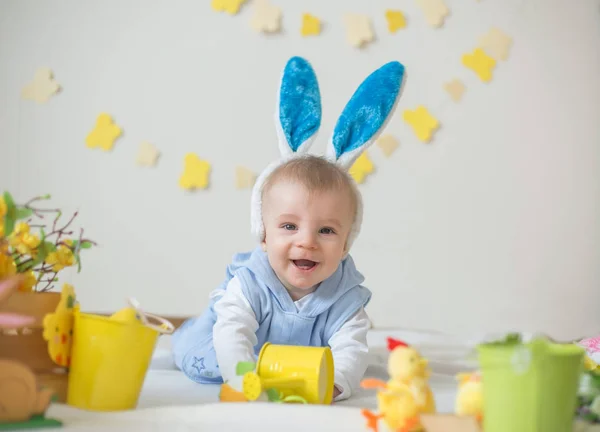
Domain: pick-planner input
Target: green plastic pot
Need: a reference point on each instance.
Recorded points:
(530, 387)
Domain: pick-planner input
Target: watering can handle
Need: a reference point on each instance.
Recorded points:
(165, 327)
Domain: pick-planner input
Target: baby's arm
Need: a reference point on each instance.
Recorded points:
(350, 353)
(234, 333)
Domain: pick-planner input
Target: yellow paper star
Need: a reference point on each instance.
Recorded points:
(361, 168)
(147, 154)
(266, 18)
(395, 20)
(195, 173)
(104, 134)
(388, 144)
(232, 7)
(422, 122)
(358, 29)
(42, 87)
(244, 178)
(455, 89)
(480, 63)
(311, 25)
(496, 43)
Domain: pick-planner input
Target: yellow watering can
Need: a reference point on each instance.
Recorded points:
(110, 357)
(294, 373)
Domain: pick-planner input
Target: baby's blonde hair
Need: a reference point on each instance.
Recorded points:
(316, 174)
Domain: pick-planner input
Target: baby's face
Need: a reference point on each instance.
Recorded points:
(305, 234)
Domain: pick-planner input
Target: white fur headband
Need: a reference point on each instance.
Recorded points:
(298, 119)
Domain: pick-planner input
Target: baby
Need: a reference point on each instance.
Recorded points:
(299, 286)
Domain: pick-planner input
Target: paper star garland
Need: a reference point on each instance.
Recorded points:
(455, 89)
(147, 155)
(232, 7)
(422, 122)
(42, 87)
(496, 43)
(388, 144)
(244, 178)
(358, 30)
(311, 25)
(435, 11)
(266, 18)
(195, 173)
(361, 168)
(395, 20)
(104, 134)
(480, 63)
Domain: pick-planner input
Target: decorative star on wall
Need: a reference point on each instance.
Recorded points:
(104, 134)
(42, 87)
(195, 173)
(422, 122)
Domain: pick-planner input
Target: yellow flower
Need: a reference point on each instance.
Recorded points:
(7, 266)
(589, 364)
(63, 257)
(3, 207)
(22, 240)
(29, 282)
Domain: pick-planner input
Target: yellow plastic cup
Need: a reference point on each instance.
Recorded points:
(109, 360)
(307, 372)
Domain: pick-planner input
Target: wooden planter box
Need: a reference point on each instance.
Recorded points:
(28, 346)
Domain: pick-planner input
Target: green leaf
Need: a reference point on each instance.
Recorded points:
(10, 218)
(244, 367)
(8, 199)
(23, 213)
(274, 395)
(9, 225)
(86, 244)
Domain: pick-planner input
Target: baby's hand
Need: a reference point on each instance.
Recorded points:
(336, 393)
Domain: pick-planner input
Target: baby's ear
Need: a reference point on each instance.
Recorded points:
(298, 113)
(366, 114)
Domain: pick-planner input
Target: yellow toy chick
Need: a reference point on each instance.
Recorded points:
(406, 394)
(397, 408)
(469, 399)
(406, 367)
(58, 328)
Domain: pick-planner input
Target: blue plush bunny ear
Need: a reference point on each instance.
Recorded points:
(298, 114)
(366, 114)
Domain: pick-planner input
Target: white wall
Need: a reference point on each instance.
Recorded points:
(494, 225)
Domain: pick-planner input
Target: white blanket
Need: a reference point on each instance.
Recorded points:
(171, 402)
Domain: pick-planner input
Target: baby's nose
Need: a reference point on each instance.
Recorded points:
(307, 240)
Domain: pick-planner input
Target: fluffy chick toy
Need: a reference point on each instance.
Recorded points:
(397, 409)
(406, 367)
(469, 398)
(406, 394)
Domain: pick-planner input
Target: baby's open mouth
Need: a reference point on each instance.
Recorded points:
(305, 264)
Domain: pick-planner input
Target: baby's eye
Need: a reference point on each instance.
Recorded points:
(288, 227)
(327, 231)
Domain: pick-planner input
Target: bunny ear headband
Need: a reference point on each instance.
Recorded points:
(298, 119)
